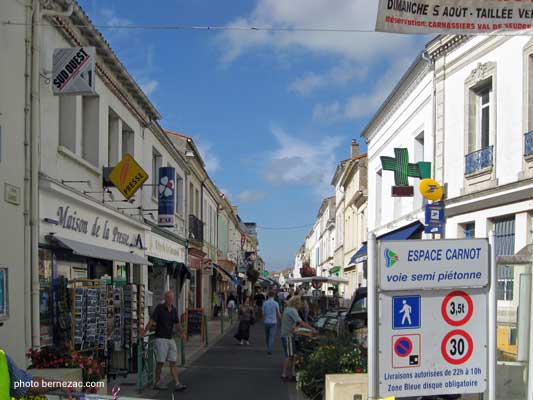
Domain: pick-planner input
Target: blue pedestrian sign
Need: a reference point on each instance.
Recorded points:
(406, 312)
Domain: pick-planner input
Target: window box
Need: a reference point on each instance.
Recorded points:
(479, 162)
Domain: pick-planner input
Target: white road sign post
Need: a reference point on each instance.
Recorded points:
(73, 71)
(433, 318)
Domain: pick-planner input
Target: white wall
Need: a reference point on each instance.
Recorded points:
(13, 331)
(400, 127)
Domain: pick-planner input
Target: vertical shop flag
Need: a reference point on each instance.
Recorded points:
(167, 194)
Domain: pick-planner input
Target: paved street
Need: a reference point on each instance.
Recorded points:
(229, 371)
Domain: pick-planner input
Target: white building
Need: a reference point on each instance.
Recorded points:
(484, 157)
(464, 105)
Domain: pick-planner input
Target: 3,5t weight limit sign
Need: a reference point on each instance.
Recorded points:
(457, 308)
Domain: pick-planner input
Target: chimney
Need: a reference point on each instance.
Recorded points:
(355, 148)
(235, 209)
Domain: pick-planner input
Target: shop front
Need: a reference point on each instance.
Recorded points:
(93, 275)
(196, 263)
(168, 271)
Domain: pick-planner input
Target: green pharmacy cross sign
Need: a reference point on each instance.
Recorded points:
(403, 169)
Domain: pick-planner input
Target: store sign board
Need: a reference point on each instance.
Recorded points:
(166, 197)
(432, 342)
(128, 176)
(165, 249)
(433, 264)
(453, 16)
(73, 71)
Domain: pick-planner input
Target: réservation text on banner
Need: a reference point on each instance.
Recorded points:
(453, 16)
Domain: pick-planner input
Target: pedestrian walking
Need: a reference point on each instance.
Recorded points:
(231, 306)
(259, 300)
(246, 319)
(165, 318)
(289, 322)
(271, 316)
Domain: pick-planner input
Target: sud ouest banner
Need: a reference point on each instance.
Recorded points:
(167, 196)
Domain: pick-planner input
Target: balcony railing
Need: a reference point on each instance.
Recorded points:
(478, 160)
(196, 228)
(528, 144)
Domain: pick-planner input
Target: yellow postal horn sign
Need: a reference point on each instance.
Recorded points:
(431, 189)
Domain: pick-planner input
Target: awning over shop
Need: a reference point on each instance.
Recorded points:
(226, 273)
(399, 234)
(103, 253)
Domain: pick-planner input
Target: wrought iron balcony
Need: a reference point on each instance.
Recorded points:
(528, 144)
(196, 228)
(478, 160)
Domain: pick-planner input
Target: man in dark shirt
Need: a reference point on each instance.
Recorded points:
(165, 317)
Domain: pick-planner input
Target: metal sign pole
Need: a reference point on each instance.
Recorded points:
(373, 370)
(491, 384)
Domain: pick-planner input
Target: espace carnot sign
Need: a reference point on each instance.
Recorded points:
(427, 264)
(74, 71)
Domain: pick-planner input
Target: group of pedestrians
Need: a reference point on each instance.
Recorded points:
(270, 312)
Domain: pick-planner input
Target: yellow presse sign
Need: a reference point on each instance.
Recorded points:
(128, 176)
(431, 189)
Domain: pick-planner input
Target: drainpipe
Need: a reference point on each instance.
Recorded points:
(27, 173)
(35, 160)
(430, 62)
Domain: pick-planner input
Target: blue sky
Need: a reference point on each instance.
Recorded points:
(272, 112)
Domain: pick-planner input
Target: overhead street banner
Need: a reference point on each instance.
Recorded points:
(453, 16)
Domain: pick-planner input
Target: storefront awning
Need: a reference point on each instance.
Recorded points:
(231, 276)
(103, 253)
(399, 234)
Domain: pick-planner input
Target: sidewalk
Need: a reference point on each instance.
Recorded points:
(194, 348)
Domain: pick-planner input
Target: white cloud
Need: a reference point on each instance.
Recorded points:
(149, 87)
(112, 19)
(338, 75)
(212, 163)
(362, 104)
(347, 14)
(251, 196)
(301, 162)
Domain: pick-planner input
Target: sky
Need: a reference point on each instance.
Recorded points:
(272, 112)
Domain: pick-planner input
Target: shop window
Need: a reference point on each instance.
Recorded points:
(4, 298)
(90, 129)
(67, 122)
(156, 164)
